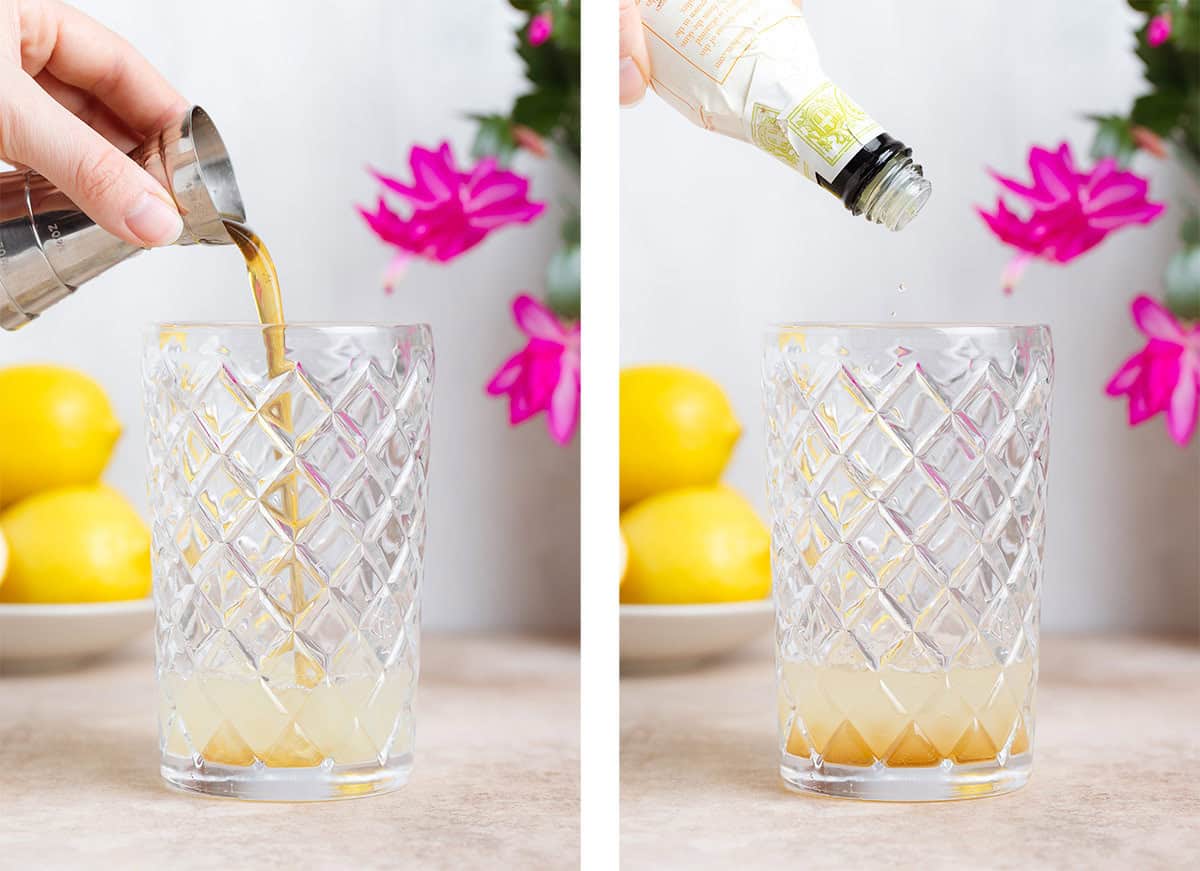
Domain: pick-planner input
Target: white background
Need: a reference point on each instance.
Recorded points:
(306, 94)
(718, 240)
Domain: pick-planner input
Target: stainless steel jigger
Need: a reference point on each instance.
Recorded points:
(48, 247)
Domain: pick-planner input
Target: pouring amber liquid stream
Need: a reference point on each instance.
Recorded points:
(268, 300)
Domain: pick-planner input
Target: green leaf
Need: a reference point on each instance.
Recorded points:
(1114, 138)
(494, 138)
(539, 110)
(548, 66)
(1172, 69)
(562, 282)
(1160, 111)
(1189, 156)
(1183, 284)
(1185, 26)
(571, 228)
(552, 106)
(1190, 231)
(566, 26)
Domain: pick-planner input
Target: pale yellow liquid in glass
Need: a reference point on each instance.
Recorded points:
(903, 718)
(233, 722)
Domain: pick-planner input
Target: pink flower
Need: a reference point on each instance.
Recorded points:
(544, 376)
(452, 211)
(1165, 375)
(1159, 29)
(1070, 211)
(540, 28)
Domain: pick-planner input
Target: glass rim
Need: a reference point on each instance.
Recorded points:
(965, 327)
(256, 326)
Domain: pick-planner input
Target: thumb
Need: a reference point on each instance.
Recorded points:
(111, 189)
(635, 60)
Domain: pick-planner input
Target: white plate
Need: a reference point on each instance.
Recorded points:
(35, 637)
(655, 637)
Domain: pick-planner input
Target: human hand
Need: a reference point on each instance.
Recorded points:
(635, 60)
(75, 98)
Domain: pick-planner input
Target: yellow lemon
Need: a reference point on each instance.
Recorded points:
(677, 430)
(56, 428)
(75, 544)
(697, 544)
(623, 554)
(3, 557)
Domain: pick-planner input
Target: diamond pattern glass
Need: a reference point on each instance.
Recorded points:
(288, 539)
(906, 481)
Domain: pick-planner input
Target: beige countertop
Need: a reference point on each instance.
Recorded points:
(495, 784)
(1115, 775)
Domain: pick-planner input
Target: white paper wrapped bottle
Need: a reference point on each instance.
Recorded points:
(749, 69)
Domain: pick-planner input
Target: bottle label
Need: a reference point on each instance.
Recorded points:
(768, 133)
(710, 35)
(749, 69)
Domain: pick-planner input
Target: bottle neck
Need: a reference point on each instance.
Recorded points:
(881, 183)
(895, 195)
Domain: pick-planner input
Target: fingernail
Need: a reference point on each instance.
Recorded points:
(153, 221)
(633, 85)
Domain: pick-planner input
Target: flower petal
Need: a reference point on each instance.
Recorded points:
(1117, 192)
(435, 172)
(520, 409)
(1034, 194)
(396, 186)
(1124, 379)
(1183, 408)
(1063, 247)
(397, 268)
(542, 377)
(1120, 214)
(1153, 319)
(1008, 228)
(1139, 409)
(1014, 270)
(507, 375)
(1053, 173)
(387, 225)
(496, 188)
(487, 220)
(563, 412)
(536, 320)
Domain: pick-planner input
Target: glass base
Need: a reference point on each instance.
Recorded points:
(257, 782)
(945, 782)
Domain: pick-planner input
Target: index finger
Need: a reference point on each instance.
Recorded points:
(80, 51)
